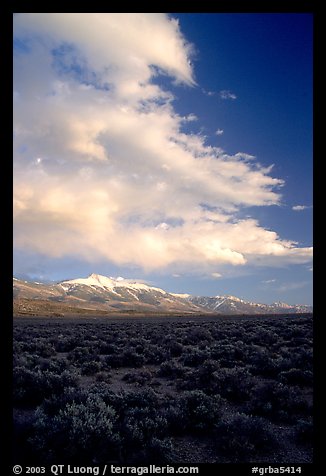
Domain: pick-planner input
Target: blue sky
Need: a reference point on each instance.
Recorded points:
(187, 165)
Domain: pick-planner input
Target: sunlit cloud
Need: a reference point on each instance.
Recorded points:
(118, 180)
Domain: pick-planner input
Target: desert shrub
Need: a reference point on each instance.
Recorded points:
(281, 364)
(189, 381)
(54, 403)
(193, 357)
(65, 343)
(145, 398)
(175, 348)
(243, 438)
(202, 378)
(302, 359)
(22, 430)
(207, 369)
(144, 438)
(30, 388)
(297, 377)
(103, 377)
(154, 354)
(140, 348)
(304, 432)
(226, 360)
(90, 368)
(141, 424)
(196, 335)
(79, 432)
(278, 402)
(132, 359)
(262, 363)
(194, 411)
(45, 349)
(158, 451)
(300, 342)
(135, 342)
(217, 350)
(240, 350)
(107, 348)
(53, 365)
(79, 355)
(171, 369)
(297, 330)
(103, 390)
(113, 361)
(26, 360)
(29, 345)
(226, 353)
(234, 384)
(265, 337)
(36, 346)
(140, 377)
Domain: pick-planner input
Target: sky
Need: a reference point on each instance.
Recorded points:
(171, 148)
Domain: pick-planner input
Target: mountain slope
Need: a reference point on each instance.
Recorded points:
(234, 305)
(100, 294)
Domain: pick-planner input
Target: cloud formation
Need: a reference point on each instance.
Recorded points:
(300, 208)
(226, 94)
(102, 167)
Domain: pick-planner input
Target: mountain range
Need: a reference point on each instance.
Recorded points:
(98, 294)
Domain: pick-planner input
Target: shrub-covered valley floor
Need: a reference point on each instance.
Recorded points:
(187, 390)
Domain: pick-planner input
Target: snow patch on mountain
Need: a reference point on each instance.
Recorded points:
(182, 296)
(111, 283)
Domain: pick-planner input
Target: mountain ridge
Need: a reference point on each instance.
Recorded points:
(103, 294)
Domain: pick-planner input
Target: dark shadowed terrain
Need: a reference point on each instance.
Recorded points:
(163, 390)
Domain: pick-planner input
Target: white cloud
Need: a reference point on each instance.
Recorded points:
(226, 94)
(191, 118)
(219, 132)
(244, 156)
(299, 208)
(208, 93)
(269, 281)
(118, 179)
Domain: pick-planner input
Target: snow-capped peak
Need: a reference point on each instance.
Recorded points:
(93, 280)
(181, 295)
(110, 283)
